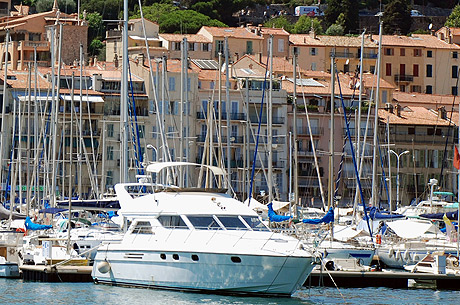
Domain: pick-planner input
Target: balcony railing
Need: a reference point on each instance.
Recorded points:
(404, 78)
(367, 55)
(342, 54)
(275, 120)
(239, 116)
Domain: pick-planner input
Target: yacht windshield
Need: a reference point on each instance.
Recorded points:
(172, 222)
(255, 223)
(232, 223)
(204, 223)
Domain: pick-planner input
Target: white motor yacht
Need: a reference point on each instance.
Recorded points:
(198, 240)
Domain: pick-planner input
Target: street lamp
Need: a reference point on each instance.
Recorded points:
(150, 146)
(397, 173)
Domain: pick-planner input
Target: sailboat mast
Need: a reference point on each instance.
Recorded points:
(54, 112)
(227, 97)
(124, 99)
(2, 136)
(295, 197)
(269, 122)
(181, 123)
(29, 101)
(374, 200)
(330, 201)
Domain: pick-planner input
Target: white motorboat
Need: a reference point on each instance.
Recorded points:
(198, 240)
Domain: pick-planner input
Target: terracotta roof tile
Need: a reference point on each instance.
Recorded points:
(233, 32)
(190, 37)
(413, 115)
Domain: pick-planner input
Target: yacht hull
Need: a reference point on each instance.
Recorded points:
(206, 272)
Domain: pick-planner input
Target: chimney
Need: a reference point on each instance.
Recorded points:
(389, 107)
(442, 113)
(398, 110)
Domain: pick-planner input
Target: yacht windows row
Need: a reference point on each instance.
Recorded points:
(200, 222)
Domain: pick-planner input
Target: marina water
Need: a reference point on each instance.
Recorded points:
(20, 292)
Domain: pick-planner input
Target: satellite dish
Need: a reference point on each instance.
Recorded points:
(430, 26)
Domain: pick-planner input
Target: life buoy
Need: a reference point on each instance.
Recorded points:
(12, 251)
(378, 239)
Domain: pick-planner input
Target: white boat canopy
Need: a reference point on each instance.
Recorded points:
(256, 205)
(156, 167)
(407, 228)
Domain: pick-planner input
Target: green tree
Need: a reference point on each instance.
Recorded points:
(350, 11)
(396, 17)
(95, 47)
(109, 9)
(185, 21)
(453, 21)
(280, 22)
(304, 24)
(154, 11)
(65, 6)
(335, 30)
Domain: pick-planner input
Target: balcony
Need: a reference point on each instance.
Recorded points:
(367, 55)
(30, 45)
(235, 116)
(305, 131)
(403, 78)
(233, 139)
(341, 54)
(275, 120)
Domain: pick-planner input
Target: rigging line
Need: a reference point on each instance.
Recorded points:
(448, 131)
(258, 133)
(135, 126)
(354, 156)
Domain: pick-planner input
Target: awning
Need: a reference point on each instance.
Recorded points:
(76, 98)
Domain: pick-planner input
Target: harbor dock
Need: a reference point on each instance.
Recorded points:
(56, 273)
(386, 278)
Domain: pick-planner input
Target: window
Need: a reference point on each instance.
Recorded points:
(411, 130)
(204, 223)
(109, 178)
(312, 51)
(415, 70)
(280, 45)
(248, 47)
(454, 54)
(219, 47)
(143, 227)
(429, 71)
(402, 52)
(388, 69)
(416, 88)
(454, 72)
(172, 222)
(232, 223)
(388, 51)
(313, 66)
(109, 152)
(372, 69)
(110, 130)
(172, 84)
(154, 132)
(141, 131)
(429, 53)
(205, 47)
(191, 46)
(429, 89)
(417, 52)
(254, 223)
(176, 46)
(454, 90)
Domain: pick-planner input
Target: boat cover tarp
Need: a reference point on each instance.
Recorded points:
(35, 226)
(450, 215)
(52, 210)
(375, 213)
(5, 214)
(346, 233)
(275, 217)
(329, 217)
(278, 205)
(409, 228)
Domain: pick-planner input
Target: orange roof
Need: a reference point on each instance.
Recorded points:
(405, 98)
(322, 87)
(331, 41)
(232, 32)
(413, 115)
(369, 80)
(417, 40)
(190, 37)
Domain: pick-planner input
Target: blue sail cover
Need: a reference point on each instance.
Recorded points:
(450, 215)
(374, 213)
(329, 217)
(35, 226)
(275, 217)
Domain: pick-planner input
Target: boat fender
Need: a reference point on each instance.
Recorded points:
(103, 267)
(397, 255)
(406, 255)
(391, 252)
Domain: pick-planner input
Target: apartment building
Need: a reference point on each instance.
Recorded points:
(34, 33)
